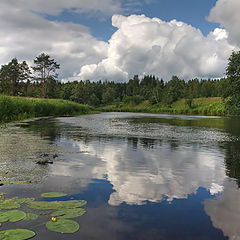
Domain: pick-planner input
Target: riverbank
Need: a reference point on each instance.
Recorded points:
(19, 108)
(214, 106)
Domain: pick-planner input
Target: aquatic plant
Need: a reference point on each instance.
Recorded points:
(69, 213)
(12, 216)
(63, 226)
(53, 194)
(16, 234)
(60, 221)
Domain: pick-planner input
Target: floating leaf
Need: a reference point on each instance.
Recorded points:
(2, 195)
(11, 182)
(31, 216)
(53, 195)
(3, 217)
(69, 212)
(72, 204)
(16, 234)
(9, 204)
(42, 205)
(12, 216)
(24, 200)
(63, 226)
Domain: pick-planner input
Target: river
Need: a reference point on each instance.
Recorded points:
(144, 176)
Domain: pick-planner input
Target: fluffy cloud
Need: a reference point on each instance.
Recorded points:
(140, 45)
(143, 45)
(226, 12)
(24, 34)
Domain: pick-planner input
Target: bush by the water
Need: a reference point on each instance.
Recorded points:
(17, 108)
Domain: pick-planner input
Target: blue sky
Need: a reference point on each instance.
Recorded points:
(193, 12)
(111, 39)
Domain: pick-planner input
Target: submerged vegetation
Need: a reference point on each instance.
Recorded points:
(60, 222)
(18, 108)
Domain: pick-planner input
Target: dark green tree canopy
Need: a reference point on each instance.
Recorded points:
(45, 69)
(12, 74)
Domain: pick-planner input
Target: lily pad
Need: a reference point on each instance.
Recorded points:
(31, 216)
(12, 216)
(53, 195)
(2, 195)
(42, 205)
(69, 213)
(11, 182)
(9, 204)
(3, 217)
(63, 226)
(16, 234)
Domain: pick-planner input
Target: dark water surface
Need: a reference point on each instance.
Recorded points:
(145, 176)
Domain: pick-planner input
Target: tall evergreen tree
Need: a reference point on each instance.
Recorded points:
(12, 74)
(45, 69)
(233, 73)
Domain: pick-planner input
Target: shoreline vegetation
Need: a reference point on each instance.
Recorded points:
(20, 108)
(213, 106)
(219, 97)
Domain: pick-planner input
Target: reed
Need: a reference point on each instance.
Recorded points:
(18, 108)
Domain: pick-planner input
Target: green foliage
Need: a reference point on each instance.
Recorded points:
(30, 216)
(53, 194)
(60, 222)
(133, 100)
(12, 216)
(69, 213)
(45, 70)
(16, 234)
(11, 75)
(9, 204)
(200, 106)
(17, 108)
(63, 226)
(233, 73)
(42, 205)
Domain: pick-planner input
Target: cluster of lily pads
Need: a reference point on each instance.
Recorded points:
(61, 216)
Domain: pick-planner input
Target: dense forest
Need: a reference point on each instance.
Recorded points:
(40, 80)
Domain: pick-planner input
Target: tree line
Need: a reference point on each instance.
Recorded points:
(40, 80)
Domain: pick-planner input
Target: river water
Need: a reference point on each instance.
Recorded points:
(144, 176)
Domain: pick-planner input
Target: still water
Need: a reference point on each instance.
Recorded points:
(144, 176)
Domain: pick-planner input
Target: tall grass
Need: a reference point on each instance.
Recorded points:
(200, 106)
(18, 108)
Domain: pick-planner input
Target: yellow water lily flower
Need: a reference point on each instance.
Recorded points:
(54, 219)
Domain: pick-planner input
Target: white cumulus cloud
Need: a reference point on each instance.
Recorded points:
(25, 34)
(143, 45)
(226, 12)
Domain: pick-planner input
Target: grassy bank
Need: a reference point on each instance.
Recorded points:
(18, 108)
(199, 106)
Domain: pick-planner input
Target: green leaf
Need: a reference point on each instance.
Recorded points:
(69, 212)
(30, 216)
(53, 195)
(13, 216)
(42, 205)
(63, 226)
(16, 234)
(9, 204)
(11, 182)
(3, 217)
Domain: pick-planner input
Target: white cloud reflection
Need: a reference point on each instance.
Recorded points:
(147, 175)
(225, 210)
